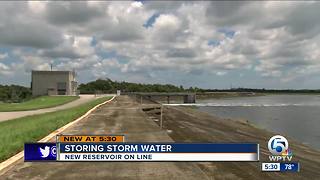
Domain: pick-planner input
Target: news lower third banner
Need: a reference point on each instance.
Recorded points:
(157, 152)
(140, 152)
(113, 148)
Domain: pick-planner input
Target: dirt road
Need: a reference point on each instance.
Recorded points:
(4, 116)
(122, 116)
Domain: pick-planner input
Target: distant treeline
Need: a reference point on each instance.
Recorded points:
(109, 86)
(14, 93)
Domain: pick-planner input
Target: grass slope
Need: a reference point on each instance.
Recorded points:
(37, 103)
(14, 133)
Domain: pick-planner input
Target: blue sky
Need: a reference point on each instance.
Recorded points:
(206, 44)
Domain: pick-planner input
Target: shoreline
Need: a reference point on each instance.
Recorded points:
(185, 124)
(221, 95)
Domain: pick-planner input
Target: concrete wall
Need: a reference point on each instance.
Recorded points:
(189, 98)
(46, 82)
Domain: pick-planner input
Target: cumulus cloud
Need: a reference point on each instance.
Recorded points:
(75, 12)
(4, 55)
(4, 69)
(278, 41)
(72, 48)
(24, 34)
(18, 27)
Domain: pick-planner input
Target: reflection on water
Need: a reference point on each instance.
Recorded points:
(297, 116)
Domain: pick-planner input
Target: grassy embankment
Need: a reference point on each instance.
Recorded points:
(37, 103)
(14, 133)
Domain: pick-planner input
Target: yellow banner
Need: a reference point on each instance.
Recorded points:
(93, 138)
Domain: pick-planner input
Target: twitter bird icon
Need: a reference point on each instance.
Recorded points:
(45, 152)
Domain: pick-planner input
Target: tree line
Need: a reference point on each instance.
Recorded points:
(109, 86)
(14, 93)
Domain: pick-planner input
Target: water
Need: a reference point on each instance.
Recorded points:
(296, 116)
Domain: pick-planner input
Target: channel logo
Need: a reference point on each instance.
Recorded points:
(279, 148)
(40, 152)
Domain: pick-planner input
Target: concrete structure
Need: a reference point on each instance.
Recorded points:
(53, 83)
(190, 98)
(187, 97)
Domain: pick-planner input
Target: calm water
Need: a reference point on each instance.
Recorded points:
(296, 116)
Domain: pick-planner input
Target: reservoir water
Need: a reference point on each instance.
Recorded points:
(295, 116)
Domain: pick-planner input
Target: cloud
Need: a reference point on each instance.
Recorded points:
(181, 52)
(72, 48)
(166, 28)
(66, 13)
(4, 67)
(24, 34)
(19, 27)
(233, 13)
(144, 41)
(3, 56)
(221, 73)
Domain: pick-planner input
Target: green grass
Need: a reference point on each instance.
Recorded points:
(37, 103)
(14, 133)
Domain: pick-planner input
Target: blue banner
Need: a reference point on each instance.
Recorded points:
(40, 152)
(158, 148)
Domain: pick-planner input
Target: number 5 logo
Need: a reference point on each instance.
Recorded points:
(277, 145)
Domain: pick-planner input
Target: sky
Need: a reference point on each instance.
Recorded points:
(209, 44)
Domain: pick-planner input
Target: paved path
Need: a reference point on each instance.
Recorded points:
(4, 116)
(121, 116)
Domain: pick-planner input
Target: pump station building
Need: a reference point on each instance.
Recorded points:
(53, 83)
